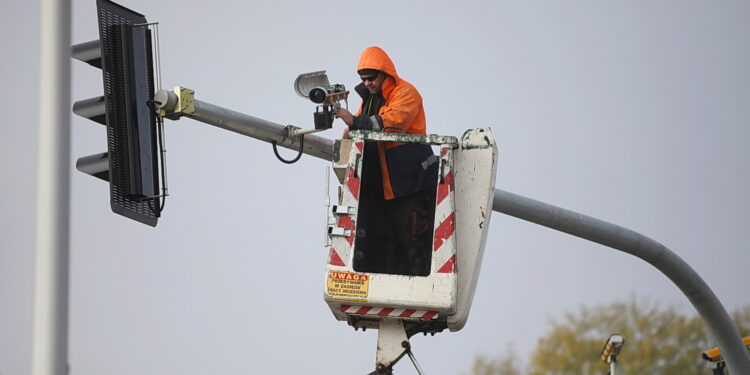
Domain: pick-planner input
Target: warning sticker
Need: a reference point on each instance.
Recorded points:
(347, 286)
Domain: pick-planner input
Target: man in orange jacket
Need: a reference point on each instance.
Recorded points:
(399, 179)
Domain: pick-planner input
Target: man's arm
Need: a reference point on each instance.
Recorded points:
(361, 121)
(404, 105)
(345, 116)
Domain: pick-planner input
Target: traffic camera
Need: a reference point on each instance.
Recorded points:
(315, 86)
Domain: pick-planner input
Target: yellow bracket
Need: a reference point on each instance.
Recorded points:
(184, 105)
(185, 100)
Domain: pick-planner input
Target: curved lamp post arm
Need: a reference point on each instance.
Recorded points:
(670, 264)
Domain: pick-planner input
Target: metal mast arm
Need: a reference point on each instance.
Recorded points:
(182, 103)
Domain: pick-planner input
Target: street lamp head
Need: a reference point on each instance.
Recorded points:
(612, 348)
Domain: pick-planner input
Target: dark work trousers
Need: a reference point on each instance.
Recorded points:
(393, 236)
(411, 218)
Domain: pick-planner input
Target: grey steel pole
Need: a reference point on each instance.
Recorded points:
(260, 129)
(692, 285)
(50, 320)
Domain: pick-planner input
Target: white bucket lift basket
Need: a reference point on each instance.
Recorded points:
(463, 206)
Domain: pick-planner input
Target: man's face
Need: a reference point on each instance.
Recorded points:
(373, 82)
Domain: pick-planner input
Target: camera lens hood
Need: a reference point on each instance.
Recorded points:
(318, 95)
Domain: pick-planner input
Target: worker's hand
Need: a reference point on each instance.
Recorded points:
(345, 135)
(345, 115)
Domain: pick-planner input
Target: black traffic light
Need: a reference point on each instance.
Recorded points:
(131, 163)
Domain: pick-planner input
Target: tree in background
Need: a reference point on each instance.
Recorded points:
(504, 364)
(658, 340)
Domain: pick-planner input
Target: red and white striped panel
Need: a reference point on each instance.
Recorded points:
(388, 312)
(444, 241)
(341, 247)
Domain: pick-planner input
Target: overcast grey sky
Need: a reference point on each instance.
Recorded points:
(635, 112)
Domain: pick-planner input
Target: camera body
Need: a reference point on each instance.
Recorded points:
(330, 94)
(323, 117)
(328, 97)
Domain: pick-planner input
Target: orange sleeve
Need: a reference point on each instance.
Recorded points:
(403, 106)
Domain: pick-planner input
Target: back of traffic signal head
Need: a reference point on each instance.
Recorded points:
(124, 53)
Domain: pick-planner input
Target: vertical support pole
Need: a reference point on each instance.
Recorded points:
(50, 320)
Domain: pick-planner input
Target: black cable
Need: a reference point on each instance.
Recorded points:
(276, 152)
(159, 125)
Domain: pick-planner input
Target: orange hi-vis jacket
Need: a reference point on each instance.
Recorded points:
(405, 167)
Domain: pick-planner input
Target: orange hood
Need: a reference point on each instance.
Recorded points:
(376, 58)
